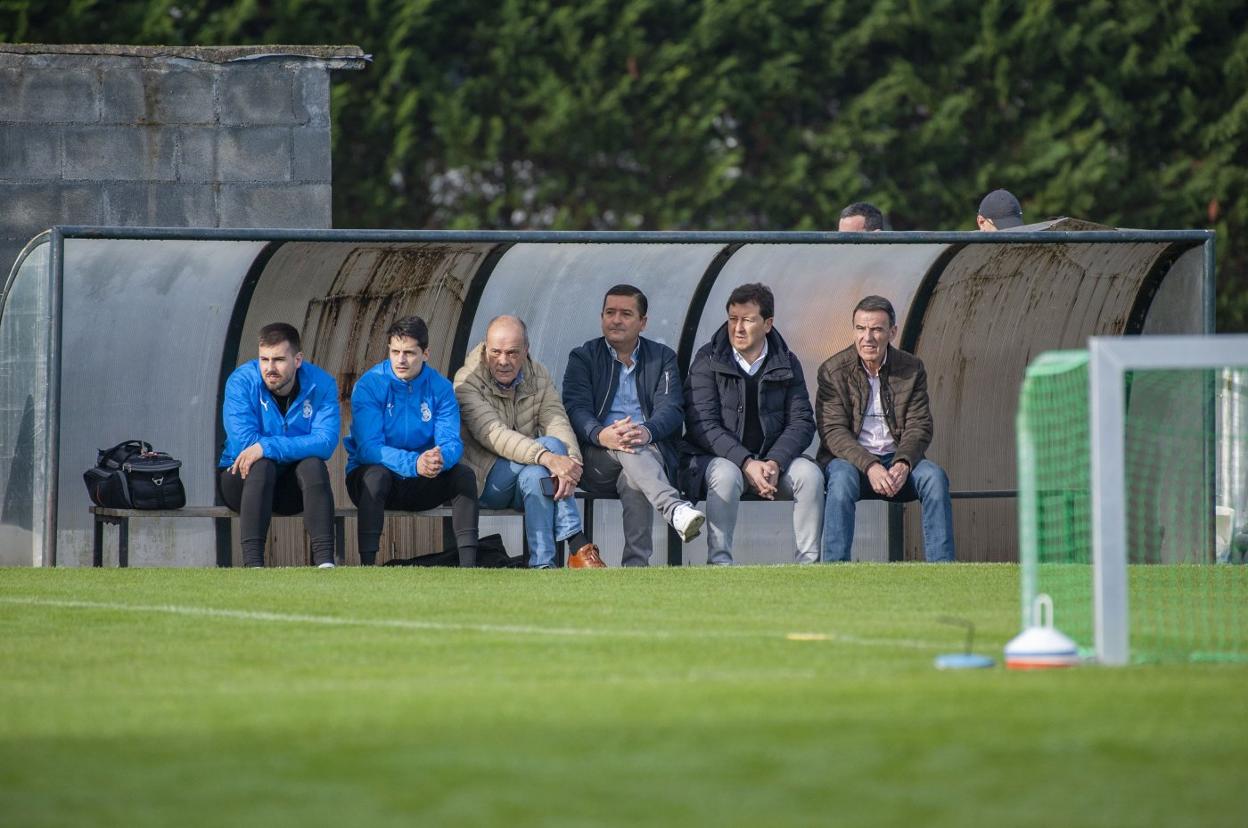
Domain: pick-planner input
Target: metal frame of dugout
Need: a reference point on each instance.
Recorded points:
(948, 279)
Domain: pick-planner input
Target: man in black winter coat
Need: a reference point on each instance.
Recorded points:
(748, 419)
(622, 394)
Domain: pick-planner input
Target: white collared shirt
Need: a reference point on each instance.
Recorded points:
(751, 368)
(875, 436)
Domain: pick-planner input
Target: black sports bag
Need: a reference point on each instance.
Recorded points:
(131, 475)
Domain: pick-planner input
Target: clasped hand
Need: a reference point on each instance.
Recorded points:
(888, 482)
(430, 462)
(623, 435)
(763, 477)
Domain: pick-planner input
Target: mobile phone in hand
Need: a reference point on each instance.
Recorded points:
(549, 486)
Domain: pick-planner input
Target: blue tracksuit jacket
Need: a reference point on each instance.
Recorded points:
(394, 420)
(309, 429)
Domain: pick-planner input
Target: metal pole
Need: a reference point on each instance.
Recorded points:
(1040, 237)
(56, 282)
(1107, 401)
(1210, 284)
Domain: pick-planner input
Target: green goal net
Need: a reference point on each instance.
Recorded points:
(1182, 444)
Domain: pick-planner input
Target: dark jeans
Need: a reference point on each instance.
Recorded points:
(373, 489)
(287, 489)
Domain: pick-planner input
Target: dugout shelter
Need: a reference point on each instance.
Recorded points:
(109, 334)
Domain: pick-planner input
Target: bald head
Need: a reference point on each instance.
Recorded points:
(510, 325)
(506, 348)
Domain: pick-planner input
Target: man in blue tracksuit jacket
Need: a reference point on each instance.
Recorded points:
(404, 448)
(281, 425)
(623, 396)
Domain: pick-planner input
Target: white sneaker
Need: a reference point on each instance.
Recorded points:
(687, 521)
(326, 565)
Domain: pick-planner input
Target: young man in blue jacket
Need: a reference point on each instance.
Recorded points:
(404, 448)
(281, 425)
(623, 395)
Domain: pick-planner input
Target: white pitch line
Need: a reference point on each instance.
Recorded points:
(447, 626)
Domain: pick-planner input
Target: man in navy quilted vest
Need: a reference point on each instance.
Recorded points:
(281, 425)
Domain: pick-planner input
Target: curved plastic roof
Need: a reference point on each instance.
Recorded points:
(152, 321)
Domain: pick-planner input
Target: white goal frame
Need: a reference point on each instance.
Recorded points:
(1109, 358)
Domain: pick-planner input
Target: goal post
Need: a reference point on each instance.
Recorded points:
(1130, 464)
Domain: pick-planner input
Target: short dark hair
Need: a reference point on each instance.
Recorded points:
(410, 327)
(629, 290)
(872, 218)
(278, 332)
(877, 303)
(755, 292)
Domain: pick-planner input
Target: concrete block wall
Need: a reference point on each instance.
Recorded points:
(168, 137)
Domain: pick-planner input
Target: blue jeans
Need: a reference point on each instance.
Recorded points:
(845, 487)
(511, 485)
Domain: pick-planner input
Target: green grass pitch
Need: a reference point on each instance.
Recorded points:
(660, 697)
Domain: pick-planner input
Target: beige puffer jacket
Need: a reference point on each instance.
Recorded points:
(497, 425)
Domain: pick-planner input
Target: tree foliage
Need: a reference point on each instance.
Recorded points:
(767, 114)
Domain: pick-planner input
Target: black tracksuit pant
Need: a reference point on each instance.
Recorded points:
(375, 488)
(286, 489)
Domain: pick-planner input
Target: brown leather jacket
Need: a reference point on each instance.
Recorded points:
(842, 400)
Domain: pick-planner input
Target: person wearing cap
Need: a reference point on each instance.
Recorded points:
(999, 210)
(860, 217)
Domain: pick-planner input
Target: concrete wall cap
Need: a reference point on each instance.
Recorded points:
(335, 57)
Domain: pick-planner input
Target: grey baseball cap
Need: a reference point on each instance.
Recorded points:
(1002, 208)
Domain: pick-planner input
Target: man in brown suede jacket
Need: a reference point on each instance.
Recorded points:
(875, 425)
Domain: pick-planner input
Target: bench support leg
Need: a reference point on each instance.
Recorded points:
(896, 532)
(123, 542)
(97, 544)
(225, 548)
(340, 540)
(675, 548)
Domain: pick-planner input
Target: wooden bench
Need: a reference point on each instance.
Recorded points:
(121, 519)
(675, 548)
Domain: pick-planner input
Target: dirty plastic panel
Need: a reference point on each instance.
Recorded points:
(993, 309)
(144, 330)
(23, 411)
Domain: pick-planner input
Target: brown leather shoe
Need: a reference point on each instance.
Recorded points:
(586, 558)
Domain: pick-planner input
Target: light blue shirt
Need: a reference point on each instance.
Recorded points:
(626, 403)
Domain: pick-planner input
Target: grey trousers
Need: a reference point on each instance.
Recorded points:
(802, 483)
(642, 486)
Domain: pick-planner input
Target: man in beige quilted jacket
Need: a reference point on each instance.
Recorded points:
(518, 441)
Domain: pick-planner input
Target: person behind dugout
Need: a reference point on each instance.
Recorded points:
(404, 448)
(281, 424)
